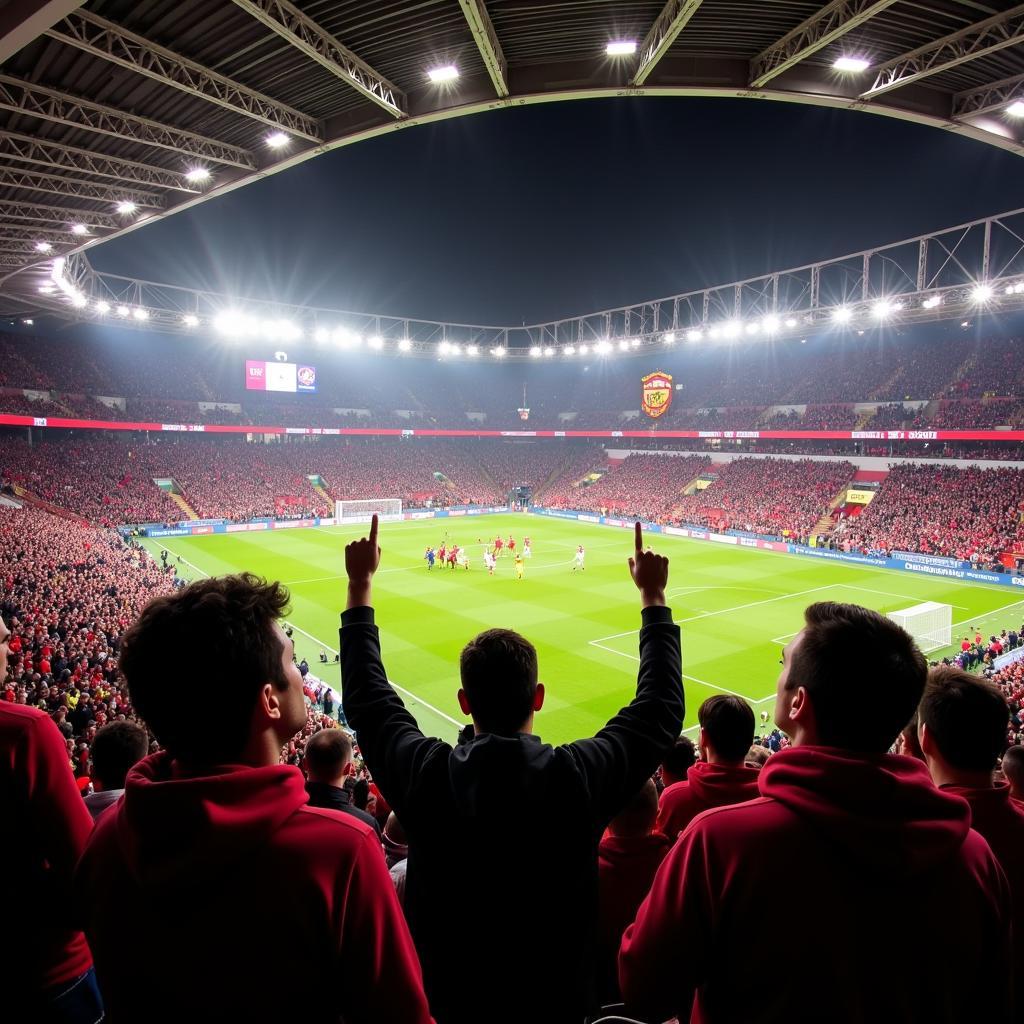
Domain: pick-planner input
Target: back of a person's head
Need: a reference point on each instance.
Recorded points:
(757, 756)
(327, 753)
(908, 743)
(115, 749)
(637, 818)
(728, 725)
(499, 675)
(1013, 769)
(212, 641)
(864, 675)
(681, 757)
(966, 717)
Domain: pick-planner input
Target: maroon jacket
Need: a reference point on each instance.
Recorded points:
(45, 826)
(225, 891)
(706, 786)
(826, 861)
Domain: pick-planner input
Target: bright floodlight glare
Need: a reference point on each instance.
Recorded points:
(882, 309)
(635, 342)
(376, 341)
(733, 329)
(770, 324)
(569, 350)
(404, 345)
(851, 64)
(602, 348)
(79, 229)
(1016, 108)
(43, 247)
(29, 322)
(445, 73)
(140, 314)
(321, 335)
(472, 350)
(753, 328)
(669, 337)
(102, 306)
(277, 140)
(535, 351)
(47, 289)
(78, 300)
(444, 348)
(126, 206)
(190, 320)
(981, 293)
(197, 175)
(842, 315)
(498, 352)
(790, 321)
(122, 310)
(549, 351)
(694, 335)
(621, 48)
(714, 332)
(584, 350)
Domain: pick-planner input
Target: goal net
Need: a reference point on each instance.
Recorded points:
(930, 624)
(389, 510)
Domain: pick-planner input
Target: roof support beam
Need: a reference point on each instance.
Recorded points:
(101, 38)
(23, 21)
(31, 236)
(487, 43)
(27, 249)
(33, 100)
(55, 184)
(45, 214)
(978, 40)
(830, 23)
(658, 41)
(15, 146)
(302, 32)
(996, 96)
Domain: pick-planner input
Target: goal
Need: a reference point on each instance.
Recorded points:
(930, 624)
(389, 510)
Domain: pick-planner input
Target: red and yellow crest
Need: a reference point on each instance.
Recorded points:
(657, 393)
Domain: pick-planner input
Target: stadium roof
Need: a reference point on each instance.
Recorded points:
(115, 112)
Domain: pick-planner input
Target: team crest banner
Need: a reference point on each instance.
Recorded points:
(657, 393)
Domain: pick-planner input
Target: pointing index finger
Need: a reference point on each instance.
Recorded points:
(373, 529)
(639, 539)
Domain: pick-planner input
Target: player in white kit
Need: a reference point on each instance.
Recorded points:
(578, 563)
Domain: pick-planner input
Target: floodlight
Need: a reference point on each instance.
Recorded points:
(47, 289)
(569, 350)
(277, 140)
(498, 352)
(842, 315)
(714, 332)
(981, 293)
(753, 327)
(621, 48)
(472, 350)
(102, 306)
(444, 348)
(404, 345)
(43, 247)
(79, 229)
(1016, 108)
(584, 350)
(126, 206)
(669, 338)
(635, 342)
(78, 300)
(549, 351)
(196, 175)
(932, 302)
(732, 328)
(851, 64)
(456, 349)
(321, 335)
(535, 351)
(28, 322)
(882, 309)
(122, 311)
(140, 314)
(445, 73)
(623, 345)
(376, 341)
(790, 321)
(770, 324)
(603, 347)
(190, 320)
(694, 335)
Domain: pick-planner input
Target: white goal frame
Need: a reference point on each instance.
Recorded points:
(929, 623)
(388, 510)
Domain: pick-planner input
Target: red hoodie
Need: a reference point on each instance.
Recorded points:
(224, 896)
(706, 786)
(45, 826)
(882, 904)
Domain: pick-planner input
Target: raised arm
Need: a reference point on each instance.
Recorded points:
(391, 742)
(625, 753)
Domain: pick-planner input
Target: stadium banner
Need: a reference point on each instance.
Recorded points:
(656, 393)
(291, 524)
(859, 497)
(913, 556)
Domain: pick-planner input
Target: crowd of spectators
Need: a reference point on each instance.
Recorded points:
(777, 497)
(968, 514)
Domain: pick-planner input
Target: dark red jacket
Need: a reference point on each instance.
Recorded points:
(225, 891)
(853, 890)
(706, 786)
(45, 826)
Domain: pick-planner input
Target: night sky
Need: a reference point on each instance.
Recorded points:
(541, 212)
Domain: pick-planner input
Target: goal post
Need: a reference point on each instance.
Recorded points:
(388, 510)
(929, 623)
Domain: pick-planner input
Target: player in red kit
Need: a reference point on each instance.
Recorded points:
(511, 544)
(498, 545)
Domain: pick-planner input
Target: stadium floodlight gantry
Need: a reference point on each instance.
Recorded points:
(966, 270)
(210, 95)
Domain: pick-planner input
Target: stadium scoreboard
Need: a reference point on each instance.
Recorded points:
(291, 378)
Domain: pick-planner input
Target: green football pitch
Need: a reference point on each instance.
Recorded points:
(736, 607)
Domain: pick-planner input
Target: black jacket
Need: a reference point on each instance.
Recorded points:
(501, 891)
(322, 794)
